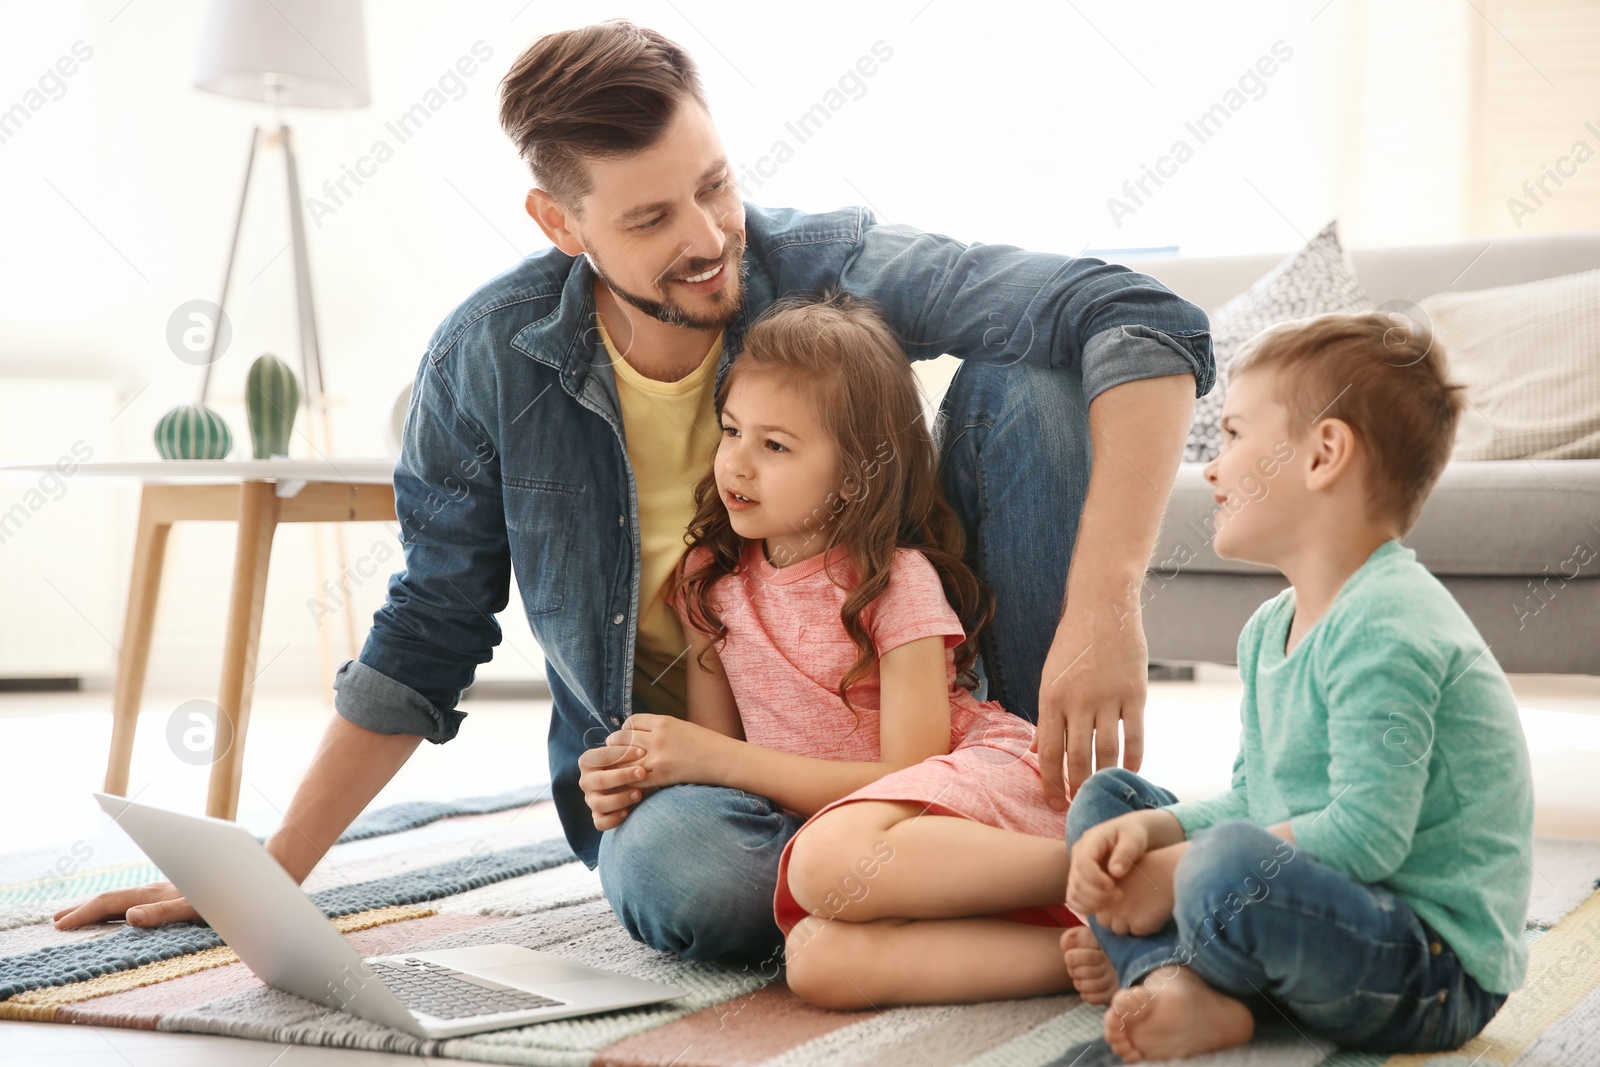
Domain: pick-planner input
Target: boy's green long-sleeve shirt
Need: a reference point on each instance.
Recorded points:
(1390, 740)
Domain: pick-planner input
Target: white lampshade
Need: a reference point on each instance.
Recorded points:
(299, 53)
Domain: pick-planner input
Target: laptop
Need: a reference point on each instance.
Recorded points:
(269, 922)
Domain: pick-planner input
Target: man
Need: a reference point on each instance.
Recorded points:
(565, 409)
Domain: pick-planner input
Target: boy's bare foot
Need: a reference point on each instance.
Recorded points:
(1146, 902)
(1167, 1016)
(1092, 974)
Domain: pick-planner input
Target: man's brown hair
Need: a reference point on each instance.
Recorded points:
(1384, 375)
(601, 92)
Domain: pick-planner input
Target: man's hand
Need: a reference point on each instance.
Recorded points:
(1097, 671)
(351, 764)
(1101, 858)
(1095, 676)
(676, 751)
(145, 905)
(611, 778)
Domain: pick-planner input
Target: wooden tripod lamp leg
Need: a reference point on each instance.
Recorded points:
(258, 519)
(144, 588)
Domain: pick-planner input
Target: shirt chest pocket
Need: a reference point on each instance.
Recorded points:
(541, 516)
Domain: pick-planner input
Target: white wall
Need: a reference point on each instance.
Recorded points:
(1006, 121)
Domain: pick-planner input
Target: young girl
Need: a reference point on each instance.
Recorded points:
(828, 671)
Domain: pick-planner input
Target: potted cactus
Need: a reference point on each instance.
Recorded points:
(272, 397)
(193, 431)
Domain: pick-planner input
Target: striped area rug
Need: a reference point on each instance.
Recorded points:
(497, 870)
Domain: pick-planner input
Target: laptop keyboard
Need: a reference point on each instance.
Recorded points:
(448, 994)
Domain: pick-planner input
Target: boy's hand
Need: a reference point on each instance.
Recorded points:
(676, 751)
(1100, 860)
(1146, 898)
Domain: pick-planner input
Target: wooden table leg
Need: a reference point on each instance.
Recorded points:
(258, 519)
(144, 588)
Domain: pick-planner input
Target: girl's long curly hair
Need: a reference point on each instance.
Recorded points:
(840, 352)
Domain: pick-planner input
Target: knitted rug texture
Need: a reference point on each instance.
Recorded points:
(488, 870)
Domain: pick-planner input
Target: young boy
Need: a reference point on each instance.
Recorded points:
(1367, 876)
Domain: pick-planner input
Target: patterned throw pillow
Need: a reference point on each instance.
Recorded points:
(1529, 356)
(1313, 281)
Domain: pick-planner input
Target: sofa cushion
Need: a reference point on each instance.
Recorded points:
(1524, 519)
(1315, 280)
(1529, 356)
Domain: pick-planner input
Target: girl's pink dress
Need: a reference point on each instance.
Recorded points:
(786, 653)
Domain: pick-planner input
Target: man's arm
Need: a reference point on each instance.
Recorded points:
(1095, 674)
(425, 644)
(351, 765)
(1143, 353)
(1005, 304)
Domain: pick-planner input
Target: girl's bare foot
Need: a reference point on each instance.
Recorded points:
(1167, 1016)
(1092, 974)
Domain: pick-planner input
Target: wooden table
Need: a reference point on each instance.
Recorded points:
(258, 495)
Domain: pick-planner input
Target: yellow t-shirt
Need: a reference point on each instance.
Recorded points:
(671, 432)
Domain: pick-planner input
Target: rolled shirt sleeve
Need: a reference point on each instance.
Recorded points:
(437, 625)
(1125, 354)
(376, 702)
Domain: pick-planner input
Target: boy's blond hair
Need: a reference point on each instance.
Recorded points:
(1383, 375)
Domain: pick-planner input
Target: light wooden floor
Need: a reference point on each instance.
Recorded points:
(54, 756)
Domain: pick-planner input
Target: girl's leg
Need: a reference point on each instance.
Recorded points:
(905, 892)
(851, 966)
(1091, 971)
(922, 866)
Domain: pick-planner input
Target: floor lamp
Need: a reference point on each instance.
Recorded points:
(287, 53)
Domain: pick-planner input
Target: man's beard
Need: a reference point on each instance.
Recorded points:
(673, 314)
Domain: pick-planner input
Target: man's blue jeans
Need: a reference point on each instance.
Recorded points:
(1269, 924)
(692, 869)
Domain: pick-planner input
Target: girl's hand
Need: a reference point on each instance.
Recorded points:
(676, 751)
(1101, 858)
(612, 781)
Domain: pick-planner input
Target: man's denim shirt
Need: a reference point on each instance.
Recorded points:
(512, 453)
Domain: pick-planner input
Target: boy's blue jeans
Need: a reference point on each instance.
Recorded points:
(692, 869)
(1269, 924)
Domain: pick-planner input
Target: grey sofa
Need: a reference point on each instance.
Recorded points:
(1517, 543)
